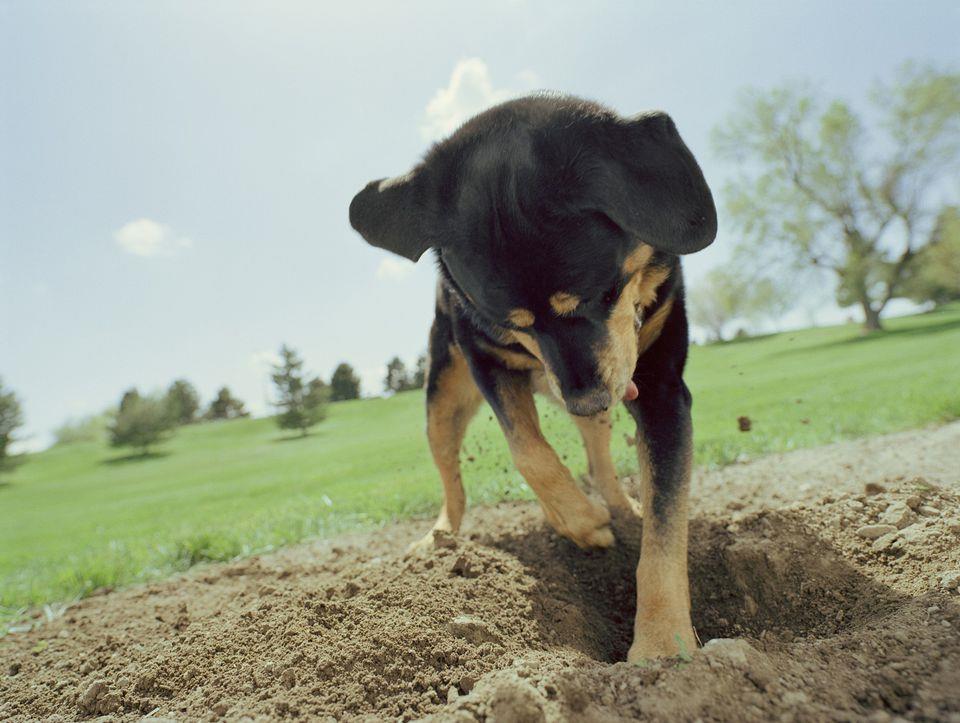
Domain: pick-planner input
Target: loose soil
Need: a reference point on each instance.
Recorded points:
(824, 586)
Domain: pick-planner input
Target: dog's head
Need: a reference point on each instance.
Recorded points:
(544, 212)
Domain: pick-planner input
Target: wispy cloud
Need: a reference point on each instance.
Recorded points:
(469, 91)
(394, 269)
(146, 237)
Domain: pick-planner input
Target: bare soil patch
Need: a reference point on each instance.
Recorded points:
(825, 587)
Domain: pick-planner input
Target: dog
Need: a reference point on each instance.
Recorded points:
(557, 226)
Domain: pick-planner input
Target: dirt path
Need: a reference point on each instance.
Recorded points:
(511, 623)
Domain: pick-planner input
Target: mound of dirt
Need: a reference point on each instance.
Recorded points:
(824, 585)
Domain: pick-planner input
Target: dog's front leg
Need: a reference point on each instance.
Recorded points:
(567, 508)
(596, 432)
(664, 448)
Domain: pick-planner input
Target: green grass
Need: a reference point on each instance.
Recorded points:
(82, 516)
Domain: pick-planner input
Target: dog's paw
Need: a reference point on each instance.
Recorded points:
(627, 508)
(587, 524)
(436, 539)
(665, 641)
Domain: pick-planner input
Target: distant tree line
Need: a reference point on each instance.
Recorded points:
(11, 418)
(399, 379)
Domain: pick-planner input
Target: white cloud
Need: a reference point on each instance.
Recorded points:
(146, 237)
(394, 269)
(469, 91)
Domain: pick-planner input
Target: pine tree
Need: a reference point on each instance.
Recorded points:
(225, 406)
(301, 404)
(183, 402)
(344, 384)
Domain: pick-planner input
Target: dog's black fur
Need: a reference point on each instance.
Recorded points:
(551, 194)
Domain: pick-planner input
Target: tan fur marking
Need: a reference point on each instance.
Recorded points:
(662, 625)
(618, 358)
(566, 507)
(521, 317)
(637, 260)
(512, 359)
(652, 327)
(564, 303)
(449, 411)
(596, 432)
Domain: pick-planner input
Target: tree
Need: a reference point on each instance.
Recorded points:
(141, 422)
(91, 428)
(225, 406)
(726, 294)
(301, 404)
(344, 384)
(816, 188)
(183, 402)
(11, 418)
(420, 374)
(936, 275)
(397, 379)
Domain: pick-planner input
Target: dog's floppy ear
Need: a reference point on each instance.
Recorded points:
(395, 214)
(650, 185)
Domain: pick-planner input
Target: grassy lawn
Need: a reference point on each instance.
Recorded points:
(82, 516)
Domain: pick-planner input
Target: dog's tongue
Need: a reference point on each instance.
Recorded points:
(631, 392)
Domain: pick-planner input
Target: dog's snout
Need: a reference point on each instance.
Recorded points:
(588, 403)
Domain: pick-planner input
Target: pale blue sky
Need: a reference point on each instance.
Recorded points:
(240, 131)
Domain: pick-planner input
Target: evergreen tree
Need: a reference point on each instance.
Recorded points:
(344, 384)
(183, 402)
(420, 375)
(225, 406)
(396, 379)
(301, 404)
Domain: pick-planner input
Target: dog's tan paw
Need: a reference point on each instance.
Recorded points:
(665, 641)
(587, 525)
(627, 507)
(433, 540)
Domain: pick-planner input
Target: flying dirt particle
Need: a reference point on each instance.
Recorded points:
(629, 439)
(872, 532)
(466, 683)
(744, 424)
(804, 421)
(13, 669)
(471, 458)
(873, 488)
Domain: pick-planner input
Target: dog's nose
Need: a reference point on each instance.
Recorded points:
(588, 403)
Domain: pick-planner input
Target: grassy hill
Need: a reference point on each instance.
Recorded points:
(81, 516)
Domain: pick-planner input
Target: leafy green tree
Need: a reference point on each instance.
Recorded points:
(816, 188)
(11, 418)
(141, 422)
(183, 402)
(225, 406)
(397, 379)
(301, 404)
(936, 275)
(420, 374)
(725, 294)
(344, 384)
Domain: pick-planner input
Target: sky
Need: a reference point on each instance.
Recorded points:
(175, 176)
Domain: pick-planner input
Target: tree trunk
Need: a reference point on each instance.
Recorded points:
(871, 317)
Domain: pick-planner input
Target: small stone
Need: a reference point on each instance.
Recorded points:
(872, 532)
(928, 511)
(882, 544)
(898, 515)
(855, 505)
(727, 651)
(87, 667)
(794, 698)
(466, 683)
(288, 678)
(452, 695)
(874, 488)
(443, 540)
(913, 502)
(950, 580)
(472, 629)
(13, 669)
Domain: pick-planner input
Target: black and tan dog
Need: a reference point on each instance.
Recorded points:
(557, 226)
